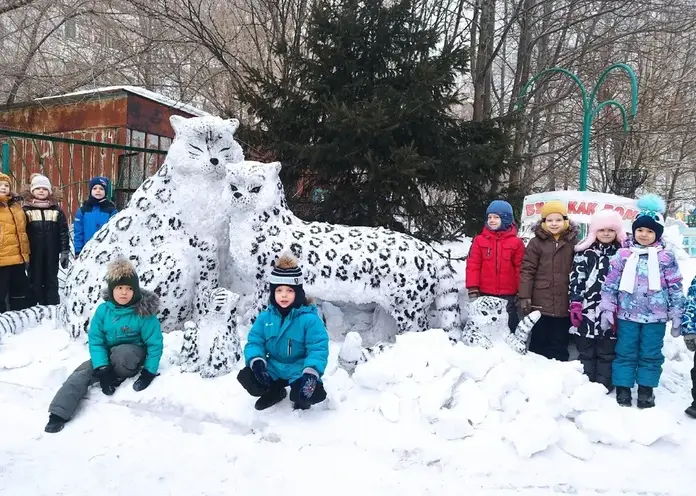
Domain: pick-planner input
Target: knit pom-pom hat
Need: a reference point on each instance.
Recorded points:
(651, 215)
(604, 219)
(287, 273)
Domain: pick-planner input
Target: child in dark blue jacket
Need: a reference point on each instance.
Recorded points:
(287, 345)
(93, 214)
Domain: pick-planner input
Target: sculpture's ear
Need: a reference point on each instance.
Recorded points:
(177, 123)
(232, 125)
(276, 168)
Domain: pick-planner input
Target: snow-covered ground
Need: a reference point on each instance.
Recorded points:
(422, 418)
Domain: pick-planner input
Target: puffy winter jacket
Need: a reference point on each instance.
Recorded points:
(689, 320)
(89, 219)
(14, 243)
(644, 305)
(494, 262)
(590, 269)
(47, 229)
(545, 273)
(290, 344)
(113, 325)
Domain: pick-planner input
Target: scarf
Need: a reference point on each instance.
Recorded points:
(35, 202)
(628, 278)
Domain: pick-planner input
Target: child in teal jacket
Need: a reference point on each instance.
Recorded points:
(288, 344)
(124, 335)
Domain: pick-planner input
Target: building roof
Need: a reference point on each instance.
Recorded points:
(136, 90)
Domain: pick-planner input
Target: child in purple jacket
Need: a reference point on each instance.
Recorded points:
(642, 291)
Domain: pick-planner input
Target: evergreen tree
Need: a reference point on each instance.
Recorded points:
(365, 114)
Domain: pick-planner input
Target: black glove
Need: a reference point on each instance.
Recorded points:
(525, 306)
(107, 379)
(64, 257)
(261, 372)
(146, 377)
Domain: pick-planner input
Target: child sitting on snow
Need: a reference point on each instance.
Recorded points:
(688, 330)
(595, 342)
(49, 239)
(495, 258)
(14, 249)
(643, 290)
(288, 344)
(544, 280)
(124, 335)
(93, 214)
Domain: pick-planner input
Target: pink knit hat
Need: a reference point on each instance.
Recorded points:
(604, 219)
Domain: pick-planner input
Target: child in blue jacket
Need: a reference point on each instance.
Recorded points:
(688, 330)
(288, 344)
(124, 335)
(93, 214)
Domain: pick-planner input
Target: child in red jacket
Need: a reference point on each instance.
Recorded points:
(495, 258)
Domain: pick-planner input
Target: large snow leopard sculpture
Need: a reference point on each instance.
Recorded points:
(359, 264)
(175, 230)
(487, 317)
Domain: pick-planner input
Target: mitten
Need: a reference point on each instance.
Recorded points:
(308, 383)
(676, 325)
(108, 381)
(258, 367)
(575, 310)
(146, 377)
(64, 258)
(525, 306)
(473, 293)
(690, 341)
(607, 320)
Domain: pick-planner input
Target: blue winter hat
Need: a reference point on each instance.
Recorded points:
(651, 215)
(502, 209)
(99, 181)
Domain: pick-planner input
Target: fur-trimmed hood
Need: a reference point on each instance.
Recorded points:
(569, 234)
(148, 305)
(54, 198)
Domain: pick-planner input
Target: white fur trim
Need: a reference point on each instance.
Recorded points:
(310, 370)
(257, 358)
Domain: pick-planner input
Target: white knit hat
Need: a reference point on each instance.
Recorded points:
(40, 181)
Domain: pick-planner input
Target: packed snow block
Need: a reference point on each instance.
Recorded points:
(474, 362)
(650, 425)
(501, 379)
(531, 433)
(573, 441)
(175, 229)
(606, 427)
(543, 382)
(470, 402)
(589, 396)
(333, 317)
(512, 404)
(400, 273)
(439, 393)
(389, 405)
(451, 426)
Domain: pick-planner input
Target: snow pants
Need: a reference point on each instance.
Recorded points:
(511, 307)
(248, 381)
(597, 356)
(693, 381)
(550, 338)
(43, 277)
(638, 354)
(126, 360)
(15, 284)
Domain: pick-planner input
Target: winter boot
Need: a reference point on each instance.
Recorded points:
(272, 397)
(55, 424)
(623, 396)
(646, 398)
(691, 411)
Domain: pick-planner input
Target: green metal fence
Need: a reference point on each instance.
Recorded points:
(70, 162)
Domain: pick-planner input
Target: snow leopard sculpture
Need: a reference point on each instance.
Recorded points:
(175, 230)
(358, 264)
(487, 317)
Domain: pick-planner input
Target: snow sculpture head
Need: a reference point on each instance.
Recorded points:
(203, 145)
(488, 313)
(256, 186)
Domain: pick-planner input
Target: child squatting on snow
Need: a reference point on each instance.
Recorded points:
(93, 214)
(49, 239)
(14, 249)
(544, 280)
(495, 259)
(688, 330)
(595, 343)
(288, 344)
(124, 335)
(643, 290)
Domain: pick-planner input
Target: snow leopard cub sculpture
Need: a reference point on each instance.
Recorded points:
(175, 229)
(358, 264)
(487, 317)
